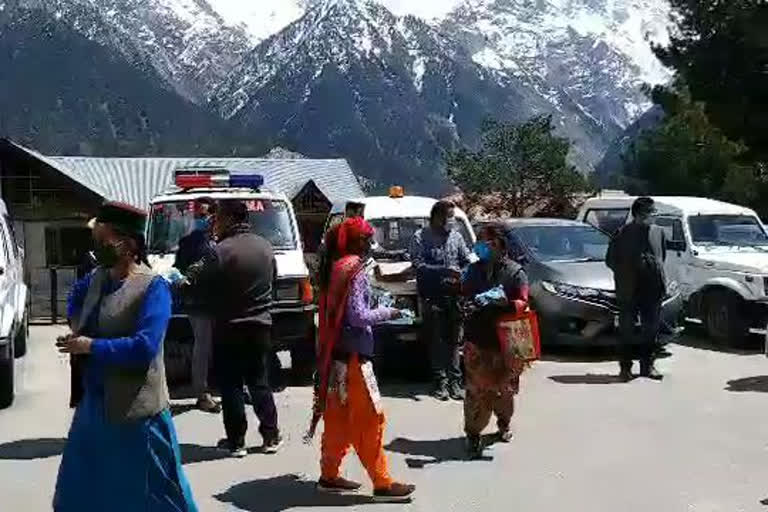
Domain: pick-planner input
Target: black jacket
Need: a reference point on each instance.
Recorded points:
(624, 258)
(193, 248)
(238, 278)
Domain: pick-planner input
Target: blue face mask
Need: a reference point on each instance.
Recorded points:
(483, 251)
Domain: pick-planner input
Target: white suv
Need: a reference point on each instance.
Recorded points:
(717, 253)
(14, 320)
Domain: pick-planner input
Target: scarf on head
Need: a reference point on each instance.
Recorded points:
(333, 304)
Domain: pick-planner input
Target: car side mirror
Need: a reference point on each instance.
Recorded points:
(676, 245)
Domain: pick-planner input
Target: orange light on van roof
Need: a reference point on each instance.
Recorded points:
(396, 192)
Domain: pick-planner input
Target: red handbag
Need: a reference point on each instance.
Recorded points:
(519, 336)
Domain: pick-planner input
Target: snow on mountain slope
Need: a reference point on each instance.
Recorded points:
(391, 94)
(185, 42)
(259, 18)
(595, 53)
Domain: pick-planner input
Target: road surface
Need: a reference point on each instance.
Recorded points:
(698, 442)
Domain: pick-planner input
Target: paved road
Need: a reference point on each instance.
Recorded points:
(696, 443)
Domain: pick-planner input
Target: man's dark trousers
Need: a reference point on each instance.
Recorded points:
(443, 329)
(241, 357)
(634, 343)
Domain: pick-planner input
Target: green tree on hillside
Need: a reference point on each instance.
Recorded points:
(720, 50)
(687, 155)
(523, 167)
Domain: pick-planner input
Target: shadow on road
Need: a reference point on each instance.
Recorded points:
(587, 379)
(179, 409)
(412, 390)
(749, 347)
(194, 453)
(749, 384)
(285, 493)
(30, 449)
(435, 451)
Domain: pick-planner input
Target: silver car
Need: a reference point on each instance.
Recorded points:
(572, 289)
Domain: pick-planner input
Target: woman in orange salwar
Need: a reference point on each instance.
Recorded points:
(347, 396)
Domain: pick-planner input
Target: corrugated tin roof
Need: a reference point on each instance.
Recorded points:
(138, 180)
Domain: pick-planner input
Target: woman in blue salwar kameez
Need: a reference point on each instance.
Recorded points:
(119, 457)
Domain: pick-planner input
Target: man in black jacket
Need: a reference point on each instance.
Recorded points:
(193, 248)
(239, 275)
(636, 255)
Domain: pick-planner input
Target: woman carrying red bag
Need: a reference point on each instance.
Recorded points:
(495, 286)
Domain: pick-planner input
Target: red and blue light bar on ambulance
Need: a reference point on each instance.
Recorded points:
(216, 178)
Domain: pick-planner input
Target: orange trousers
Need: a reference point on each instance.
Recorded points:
(356, 424)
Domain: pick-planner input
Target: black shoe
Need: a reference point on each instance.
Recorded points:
(441, 392)
(626, 375)
(505, 435)
(456, 392)
(395, 493)
(650, 372)
(474, 447)
(337, 486)
(272, 445)
(235, 450)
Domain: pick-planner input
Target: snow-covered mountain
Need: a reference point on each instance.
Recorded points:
(392, 94)
(593, 53)
(390, 84)
(187, 43)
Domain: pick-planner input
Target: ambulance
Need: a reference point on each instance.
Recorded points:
(271, 216)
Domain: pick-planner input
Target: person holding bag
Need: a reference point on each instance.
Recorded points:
(493, 287)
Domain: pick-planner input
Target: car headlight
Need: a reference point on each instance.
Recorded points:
(570, 290)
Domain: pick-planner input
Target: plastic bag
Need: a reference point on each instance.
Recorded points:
(492, 296)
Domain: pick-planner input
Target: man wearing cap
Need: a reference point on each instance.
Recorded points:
(239, 275)
(636, 255)
(193, 248)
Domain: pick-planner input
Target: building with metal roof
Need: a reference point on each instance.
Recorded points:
(52, 197)
(138, 180)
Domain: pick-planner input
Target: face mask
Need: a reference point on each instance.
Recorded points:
(483, 251)
(106, 255)
(202, 224)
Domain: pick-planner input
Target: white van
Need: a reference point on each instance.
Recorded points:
(396, 218)
(272, 217)
(14, 318)
(717, 254)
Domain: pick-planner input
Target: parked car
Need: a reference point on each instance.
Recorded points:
(717, 252)
(572, 289)
(271, 216)
(396, 218)
(14, 318)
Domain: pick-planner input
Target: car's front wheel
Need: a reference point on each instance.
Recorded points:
(6, 382)
(20, 341)
(724, 317)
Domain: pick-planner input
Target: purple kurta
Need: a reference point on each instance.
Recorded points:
(357, 335)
